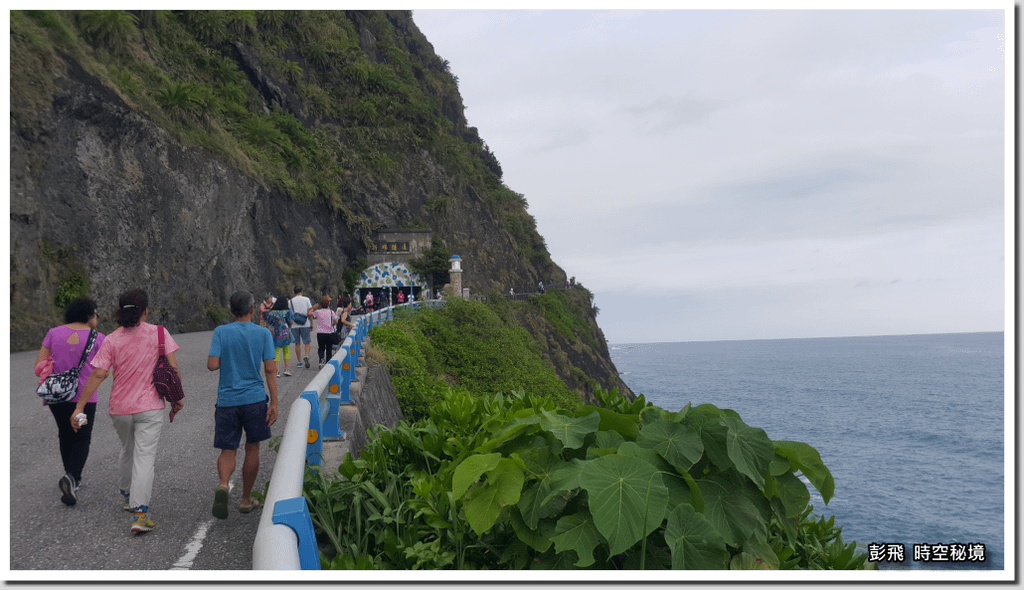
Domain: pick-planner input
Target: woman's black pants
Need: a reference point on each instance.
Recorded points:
(74, 446)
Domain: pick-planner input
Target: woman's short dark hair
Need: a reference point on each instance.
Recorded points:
(80, 310)
(280, 304)
(130, 307)
(344, 302)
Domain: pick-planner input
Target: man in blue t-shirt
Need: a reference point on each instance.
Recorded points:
(237, 350)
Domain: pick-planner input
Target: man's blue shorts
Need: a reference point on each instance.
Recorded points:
(301, 334)
(232, 420)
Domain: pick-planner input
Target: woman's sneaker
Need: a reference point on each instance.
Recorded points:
(67, 487)
(141, 523)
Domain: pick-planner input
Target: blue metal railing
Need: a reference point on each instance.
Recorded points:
(285, 539)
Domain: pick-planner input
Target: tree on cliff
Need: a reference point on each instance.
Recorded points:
(434, 263)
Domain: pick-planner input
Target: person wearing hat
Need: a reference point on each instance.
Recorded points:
(265, 307)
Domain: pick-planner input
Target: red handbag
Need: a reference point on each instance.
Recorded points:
(165, 378)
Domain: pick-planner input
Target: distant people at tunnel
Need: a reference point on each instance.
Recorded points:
(135, 408)
(64, 347)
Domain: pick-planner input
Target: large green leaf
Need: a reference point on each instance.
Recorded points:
(627, 499)
(732, 512)
(570, 430)
(625, 424)
(504, 485)
(518, 429)
(679, 444)
(805, 458)
(608, 439)
(749, 448)
(761, 552)
(537, 537)
(793, 493)
(538, 501)
(695, 544)
(579, 534)
(705, 418)
(470, 470)
(678, 491)
(779, 465)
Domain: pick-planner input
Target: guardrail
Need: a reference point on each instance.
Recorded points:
(285, 539)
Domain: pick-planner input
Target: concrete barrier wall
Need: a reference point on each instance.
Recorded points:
(375, 404)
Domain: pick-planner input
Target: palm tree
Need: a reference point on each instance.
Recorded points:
(109, 28)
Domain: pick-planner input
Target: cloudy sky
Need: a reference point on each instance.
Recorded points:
(720, 175)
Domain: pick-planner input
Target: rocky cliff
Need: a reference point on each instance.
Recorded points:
(196, 153)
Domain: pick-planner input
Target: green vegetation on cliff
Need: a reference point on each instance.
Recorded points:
(463, 346)
(305, 101)
(549, 345)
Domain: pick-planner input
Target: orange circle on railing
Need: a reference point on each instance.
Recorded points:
(334, 388)
(345, 366)
(313, 436)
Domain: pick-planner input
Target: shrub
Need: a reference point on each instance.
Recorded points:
(510, 481)
(465, 344)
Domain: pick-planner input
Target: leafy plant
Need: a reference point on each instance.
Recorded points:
(217, 314)
(110, 28)
(73, 284)
(511, 481)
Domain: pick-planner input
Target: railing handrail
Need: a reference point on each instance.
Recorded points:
(284, 535)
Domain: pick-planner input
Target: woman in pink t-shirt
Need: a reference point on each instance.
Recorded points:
(325, 320)
(63, 347)
(135, 407)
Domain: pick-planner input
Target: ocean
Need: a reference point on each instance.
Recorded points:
(911, 427)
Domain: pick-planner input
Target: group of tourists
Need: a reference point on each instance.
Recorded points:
(131, 352)
(293, 321)
(246, 354)
(386, 295)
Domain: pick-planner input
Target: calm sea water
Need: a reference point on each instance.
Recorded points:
(911, 427)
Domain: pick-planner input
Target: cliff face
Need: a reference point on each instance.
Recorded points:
(97, 186)
(192, 161)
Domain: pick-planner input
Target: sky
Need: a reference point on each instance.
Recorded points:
(748, 174)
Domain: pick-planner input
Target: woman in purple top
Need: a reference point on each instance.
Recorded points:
(64, 345)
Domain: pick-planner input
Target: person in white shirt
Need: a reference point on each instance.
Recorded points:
(300, 306)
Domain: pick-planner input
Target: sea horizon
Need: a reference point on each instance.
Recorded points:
(808, 337)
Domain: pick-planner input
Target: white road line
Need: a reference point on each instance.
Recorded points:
(193, 548)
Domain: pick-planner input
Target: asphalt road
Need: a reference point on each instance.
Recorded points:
(95, 533)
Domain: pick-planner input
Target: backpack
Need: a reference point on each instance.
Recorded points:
(278, 323)
(62, 387)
